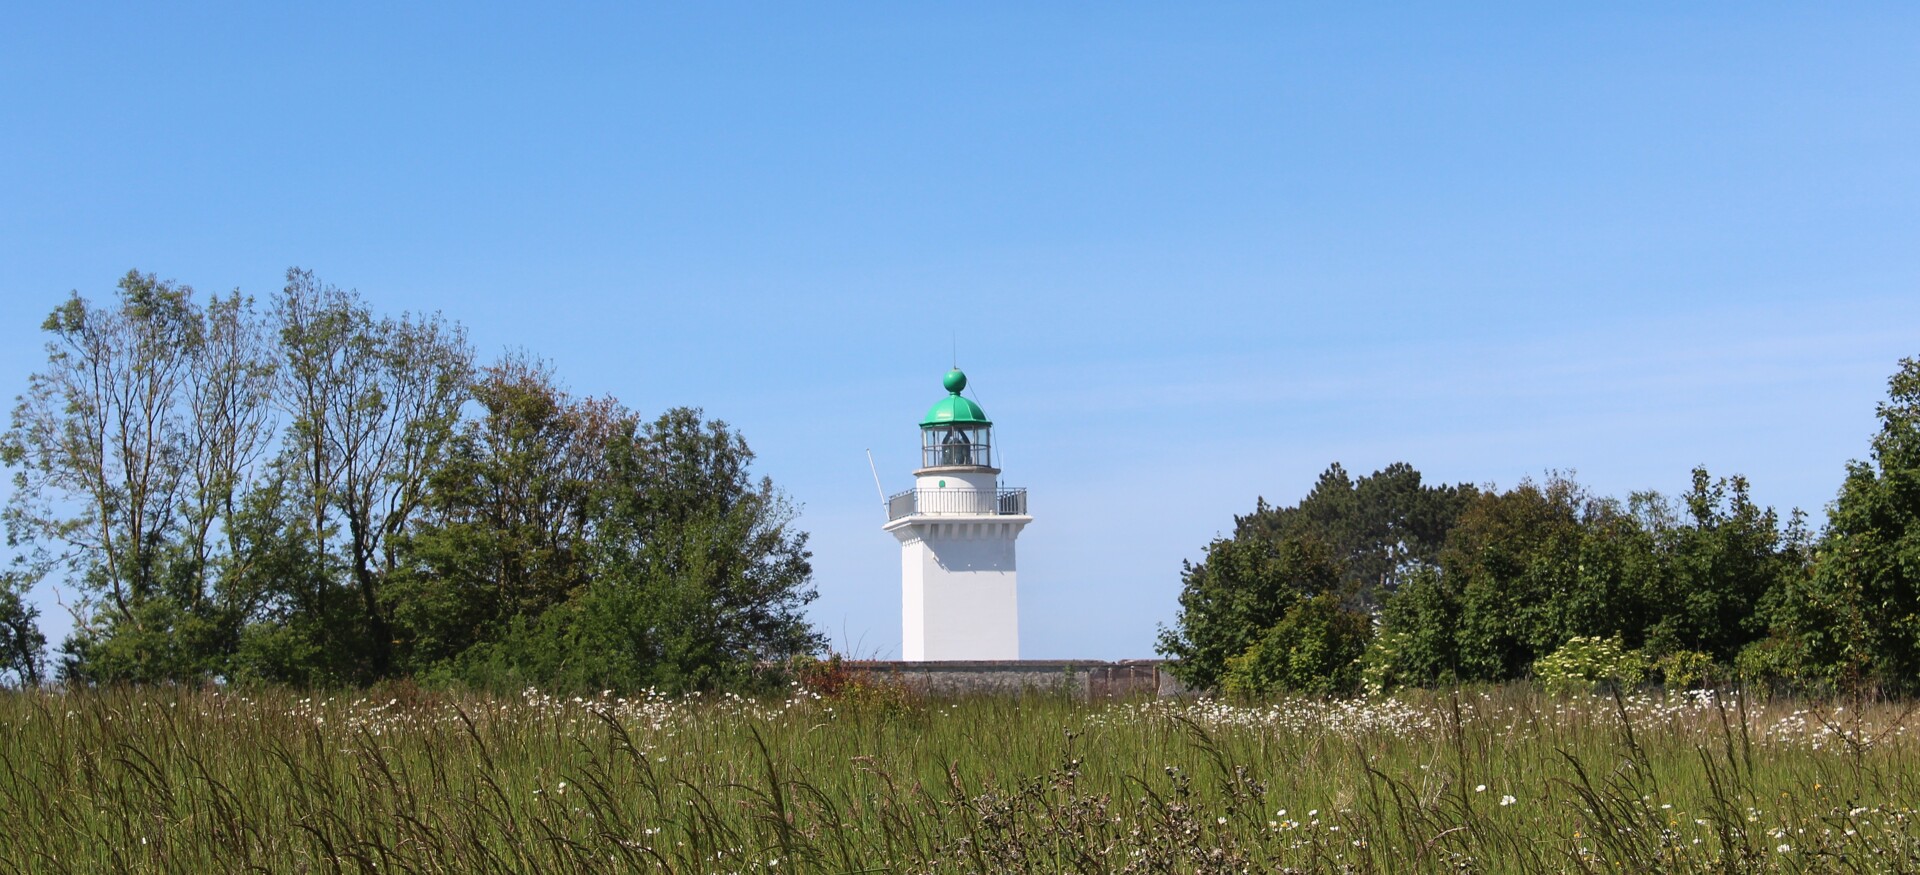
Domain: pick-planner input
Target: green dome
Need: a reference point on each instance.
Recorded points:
(955, 409)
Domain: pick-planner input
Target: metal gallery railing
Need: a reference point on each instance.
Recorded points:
(956, 501)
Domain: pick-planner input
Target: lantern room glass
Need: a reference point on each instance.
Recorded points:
(956, 446)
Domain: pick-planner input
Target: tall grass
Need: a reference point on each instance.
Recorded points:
(1496, 780)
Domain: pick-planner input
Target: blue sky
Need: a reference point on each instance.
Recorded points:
(1191, 253)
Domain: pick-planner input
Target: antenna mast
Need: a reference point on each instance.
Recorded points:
(876, 482)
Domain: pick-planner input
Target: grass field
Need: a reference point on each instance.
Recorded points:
(1495, 780)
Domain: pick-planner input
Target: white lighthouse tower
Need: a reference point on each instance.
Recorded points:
(956, 528)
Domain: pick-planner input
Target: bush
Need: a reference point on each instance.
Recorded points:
(1584, 663)
(1315, 648)
(1384, 665)
(153, 641)
(1788, 662)
(848, 686)
(1685, 669)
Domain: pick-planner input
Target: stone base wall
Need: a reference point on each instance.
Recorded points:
(1084, 679)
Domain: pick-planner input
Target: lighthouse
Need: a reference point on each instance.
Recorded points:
(956, 528)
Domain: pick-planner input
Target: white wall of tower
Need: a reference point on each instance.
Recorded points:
(960, 596)
(978, 480)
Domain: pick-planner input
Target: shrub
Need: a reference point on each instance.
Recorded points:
(1315, 648)
(1584, 663)
(1685, 669)
(1383, 667)
(1789, 662)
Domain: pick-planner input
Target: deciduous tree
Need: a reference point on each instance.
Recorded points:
(506, 525)
(372, 401)
(1350, 541)
(1856, 621)
(697, 573)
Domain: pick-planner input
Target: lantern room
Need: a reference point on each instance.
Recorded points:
(956, 432)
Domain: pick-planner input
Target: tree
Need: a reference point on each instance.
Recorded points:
(1721, 566)
(109, 465)
(130, 448)
(1315, 648)
(377, 534)
(1418, 642)
(1548, 563)
(1358, 540)
(1521, 573)
(1528, 570)
(228, 400)
(507, 519)
(679, 514)
(1511, 560)
(1380, 527)
(1857, 618)
(20, 638)
(372, 403)
(1230, 599)
(696, 574)
(304, 626)
(98, 439)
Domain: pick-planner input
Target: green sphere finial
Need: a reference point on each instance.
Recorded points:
(955, 409)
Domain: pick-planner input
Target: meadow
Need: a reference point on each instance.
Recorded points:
(1502, 779)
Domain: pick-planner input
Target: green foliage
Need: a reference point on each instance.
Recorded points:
(96, 443)
(1528, 570)
(372, 403)
(1537, 565)
(1721, 567)
(1357, 539)
(506, 520)
(1315, 648)
(1383, 663)
(130, 449)
(1687, 669)
(1509, 579)
(377, 534)
(20, 638)
(1243, 588)
(157, 639)
(1481, 585)
(1857, 618)
(696, 575)
(1584, 663)
(627, 635)
(1418, 626)
(1380, 527)
(1787, 662)
(302, 626)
